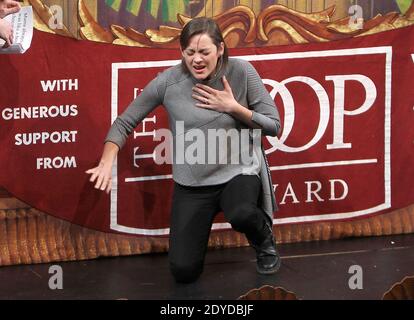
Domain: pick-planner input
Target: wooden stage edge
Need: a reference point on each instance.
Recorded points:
(28, 236)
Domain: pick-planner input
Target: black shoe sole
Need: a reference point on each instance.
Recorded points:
(272, 270)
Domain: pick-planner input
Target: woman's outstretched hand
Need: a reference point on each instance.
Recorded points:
(103, 172)
(102, 175)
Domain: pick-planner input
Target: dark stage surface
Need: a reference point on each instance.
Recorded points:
(314, 270)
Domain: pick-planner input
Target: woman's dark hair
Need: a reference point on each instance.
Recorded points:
(204, 25)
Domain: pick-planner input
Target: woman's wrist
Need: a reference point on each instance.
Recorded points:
(234, 109)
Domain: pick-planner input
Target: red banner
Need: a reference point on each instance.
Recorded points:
(345, 152)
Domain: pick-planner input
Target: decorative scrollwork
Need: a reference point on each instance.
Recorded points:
(275, 25)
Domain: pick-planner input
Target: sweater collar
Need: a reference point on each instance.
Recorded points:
(210, 81)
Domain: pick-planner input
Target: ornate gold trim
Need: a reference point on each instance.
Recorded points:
(276, 24)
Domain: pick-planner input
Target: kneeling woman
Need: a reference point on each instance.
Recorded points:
(208, 91)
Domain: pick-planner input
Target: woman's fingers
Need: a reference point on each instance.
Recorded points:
(106, 184)
(226, 84)
(98, 184)
(109, 186)
(200, 98)
(103, 181)
(205, 106)
(94, 173)
(202, 92)
(205, 88)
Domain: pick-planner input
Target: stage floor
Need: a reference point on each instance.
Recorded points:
(313, 270)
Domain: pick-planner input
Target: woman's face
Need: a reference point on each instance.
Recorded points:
(201, 56)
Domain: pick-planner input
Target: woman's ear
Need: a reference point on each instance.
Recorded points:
(221, 49)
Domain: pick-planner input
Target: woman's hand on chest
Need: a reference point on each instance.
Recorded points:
(218, 100)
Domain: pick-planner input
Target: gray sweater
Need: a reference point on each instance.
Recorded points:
(173, 89)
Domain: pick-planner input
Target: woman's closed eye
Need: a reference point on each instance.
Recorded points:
(204, 53)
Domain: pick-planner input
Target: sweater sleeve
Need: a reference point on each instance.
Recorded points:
(148, 100)
(265, 113)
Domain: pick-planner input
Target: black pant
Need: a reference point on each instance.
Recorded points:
(193, 211)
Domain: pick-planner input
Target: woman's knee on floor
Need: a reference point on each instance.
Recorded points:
(186, 272)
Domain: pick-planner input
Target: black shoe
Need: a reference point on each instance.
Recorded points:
(268, 259)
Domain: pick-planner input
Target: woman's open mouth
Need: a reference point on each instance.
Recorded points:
(199, 69)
